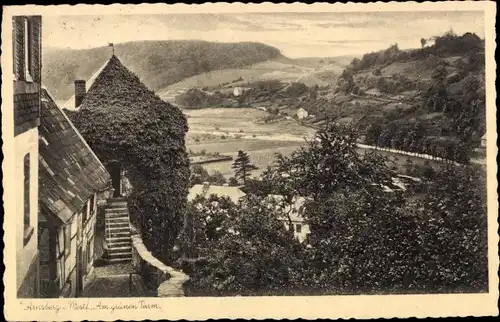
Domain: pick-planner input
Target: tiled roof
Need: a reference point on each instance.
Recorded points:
(69, 171)
(234, 193)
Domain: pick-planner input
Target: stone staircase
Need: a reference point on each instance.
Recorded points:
(117, 231)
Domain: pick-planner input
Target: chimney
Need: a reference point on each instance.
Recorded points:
(80, 91)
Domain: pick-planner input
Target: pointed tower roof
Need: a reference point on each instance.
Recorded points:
(118, 87)
(119, 103)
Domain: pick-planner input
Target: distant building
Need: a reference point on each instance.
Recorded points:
(205, 190)
(70, 177)
(302, 113)
(22, 132)
(237, 91)
(292, 213)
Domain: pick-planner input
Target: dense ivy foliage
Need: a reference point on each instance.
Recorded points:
(363, 239)
(121, 119)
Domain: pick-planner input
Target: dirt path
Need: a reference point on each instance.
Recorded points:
(112, 281)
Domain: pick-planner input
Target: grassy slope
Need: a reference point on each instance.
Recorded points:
(366, 110)
(309, 71)
(157, 63)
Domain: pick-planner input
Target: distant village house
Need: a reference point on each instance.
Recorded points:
(302, 113)
(205, 190)
(292, 214)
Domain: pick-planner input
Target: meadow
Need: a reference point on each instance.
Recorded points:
(227, 130)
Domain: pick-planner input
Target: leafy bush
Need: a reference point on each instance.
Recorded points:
(363, 239)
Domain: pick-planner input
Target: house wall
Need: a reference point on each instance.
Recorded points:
(77, 233)
(26, 237)
(25, 120)
(88, 240)
(302, 114)
(304, 230)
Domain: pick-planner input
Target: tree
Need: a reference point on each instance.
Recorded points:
(364, 239)
(247, 250)
(243, 167)
(233, 181)
(454, 226)
(199, 175)
(423, 41)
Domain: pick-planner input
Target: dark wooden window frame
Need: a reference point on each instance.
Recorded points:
(28, 228)
(67, 239)
(28, 50)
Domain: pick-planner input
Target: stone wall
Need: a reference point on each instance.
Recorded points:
(166, 281)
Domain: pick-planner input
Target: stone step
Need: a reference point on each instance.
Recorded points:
(115, 224)
(117, 199)
(112, 222)
(119, 260)
(116, 219)
(116, 215)
(117, 229)
(116, 210)
(120, 249)
(118, 241)
(113, 234)
(114, 245)
(123, 255)
(115, 204)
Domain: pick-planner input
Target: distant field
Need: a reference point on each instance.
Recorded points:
(213, 123)
(261, 158)
(232, 146)
(240, 132)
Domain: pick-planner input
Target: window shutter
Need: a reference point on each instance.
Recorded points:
(36, 46)
(18, 37)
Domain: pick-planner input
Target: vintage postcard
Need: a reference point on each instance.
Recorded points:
(249, 161)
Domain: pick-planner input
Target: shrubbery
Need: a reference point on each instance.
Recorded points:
(363, 240)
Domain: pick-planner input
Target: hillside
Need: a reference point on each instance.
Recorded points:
(157, 63)
(427, 100)
(310, 71)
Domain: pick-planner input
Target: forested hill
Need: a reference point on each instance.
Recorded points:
(157, 63)
(427, 100)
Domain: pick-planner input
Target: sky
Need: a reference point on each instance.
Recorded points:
(295, 34)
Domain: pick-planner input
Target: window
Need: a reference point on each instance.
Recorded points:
(67, 239)
(84, 213)
(90, 254)
(28, 230)
(28, 50)
(60, 272)
(298, 228)
(92, 204)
